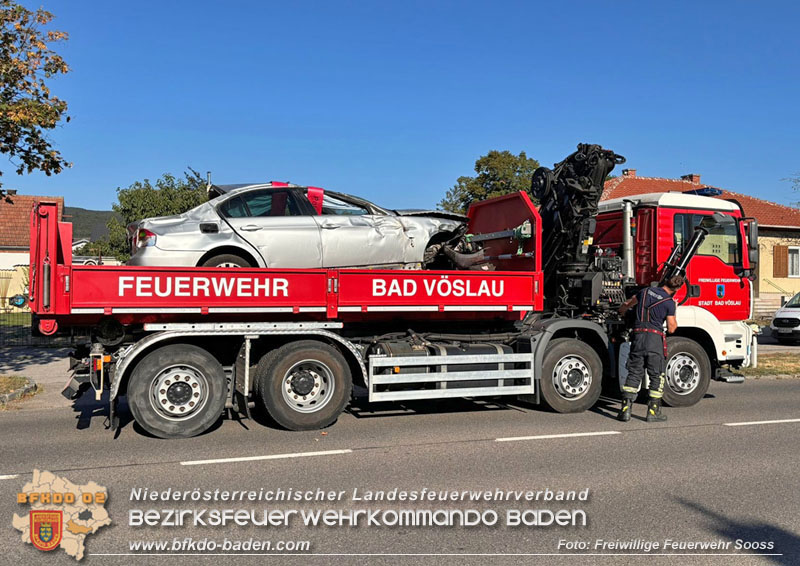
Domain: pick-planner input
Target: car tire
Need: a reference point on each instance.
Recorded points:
(688, 372)
(572, 376)
(171, 378)
(226, 260)
(308, 366)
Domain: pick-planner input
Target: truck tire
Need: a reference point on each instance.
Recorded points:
(688, 372)
(177, 391)
(304, 385)
(226, 260)
(572, 376)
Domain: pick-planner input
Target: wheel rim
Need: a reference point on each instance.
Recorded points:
(179, 392)
(228, 264)
(683, 373)
(572, 377)
(308, 386)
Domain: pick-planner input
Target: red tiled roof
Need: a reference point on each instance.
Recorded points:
(767, 213)
(15, 219)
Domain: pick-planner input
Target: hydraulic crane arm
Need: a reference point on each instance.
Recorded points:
(569, 195)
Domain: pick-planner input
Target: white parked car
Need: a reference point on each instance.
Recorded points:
(786, 324)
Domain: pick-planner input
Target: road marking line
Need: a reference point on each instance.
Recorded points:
(546, 436)
(9, 477)
(269, 457)
(763, 422)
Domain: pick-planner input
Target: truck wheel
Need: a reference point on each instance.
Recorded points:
(572, 376)
(304, 385)
(688, 372)
(177, 391)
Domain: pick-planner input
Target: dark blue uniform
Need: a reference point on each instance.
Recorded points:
(649, 344)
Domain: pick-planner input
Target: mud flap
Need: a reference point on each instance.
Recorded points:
(240, 393)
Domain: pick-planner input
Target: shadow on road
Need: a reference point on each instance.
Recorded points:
(361, 408)
(729, 529)
(17, 359)
(92, 412)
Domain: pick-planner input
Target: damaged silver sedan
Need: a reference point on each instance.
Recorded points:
(283, 225)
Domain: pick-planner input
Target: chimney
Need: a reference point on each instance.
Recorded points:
(629, 172)
(692, 178)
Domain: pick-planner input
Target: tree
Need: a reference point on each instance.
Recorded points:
(795, 181)
(170, 195)
(27, 108)
(498, 173)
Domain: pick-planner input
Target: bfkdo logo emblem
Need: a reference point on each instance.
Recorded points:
(46, 529)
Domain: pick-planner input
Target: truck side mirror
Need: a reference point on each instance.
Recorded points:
(752, 242)
(752, 239)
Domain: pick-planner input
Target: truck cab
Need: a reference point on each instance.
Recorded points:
(717, 300)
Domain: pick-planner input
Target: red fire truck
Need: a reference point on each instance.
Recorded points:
(528, 309)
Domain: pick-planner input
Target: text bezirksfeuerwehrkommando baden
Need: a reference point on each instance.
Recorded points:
(356, 495)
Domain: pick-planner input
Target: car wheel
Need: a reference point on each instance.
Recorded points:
(304, 385)
(688, 372)
(572, 376)
(226, 260)
(177, 391)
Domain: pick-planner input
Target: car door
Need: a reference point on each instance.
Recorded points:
(352, 236)
(278, 224)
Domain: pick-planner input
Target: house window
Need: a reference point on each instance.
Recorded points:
(794, 261)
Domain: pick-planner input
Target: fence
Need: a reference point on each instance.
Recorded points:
(15, 329)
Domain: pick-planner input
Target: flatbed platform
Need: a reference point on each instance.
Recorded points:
(64, 295)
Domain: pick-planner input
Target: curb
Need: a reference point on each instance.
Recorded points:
(26, 389)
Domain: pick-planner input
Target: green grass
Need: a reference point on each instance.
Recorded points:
(774, 364)
(9, 383)
(15, 319)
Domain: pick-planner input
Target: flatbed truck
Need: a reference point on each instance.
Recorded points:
(535, 319)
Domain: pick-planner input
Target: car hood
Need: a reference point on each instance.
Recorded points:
(788, 312)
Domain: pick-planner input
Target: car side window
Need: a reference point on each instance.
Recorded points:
(260, 204)
(335, 206)
(233, 208)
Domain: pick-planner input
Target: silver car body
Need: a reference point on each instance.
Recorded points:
(350, 232)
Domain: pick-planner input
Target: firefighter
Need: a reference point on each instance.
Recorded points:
(654, 305)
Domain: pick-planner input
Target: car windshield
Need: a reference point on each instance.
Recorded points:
(794, 302)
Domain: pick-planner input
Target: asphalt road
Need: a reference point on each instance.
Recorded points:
(690, 479)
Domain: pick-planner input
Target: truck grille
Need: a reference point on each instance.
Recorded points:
(786, 322)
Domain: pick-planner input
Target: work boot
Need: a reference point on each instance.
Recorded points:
(654, 414)
(625, 411)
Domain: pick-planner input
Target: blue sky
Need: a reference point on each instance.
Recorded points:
(393, 101)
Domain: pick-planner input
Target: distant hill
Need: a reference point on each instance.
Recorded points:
(87, 223)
